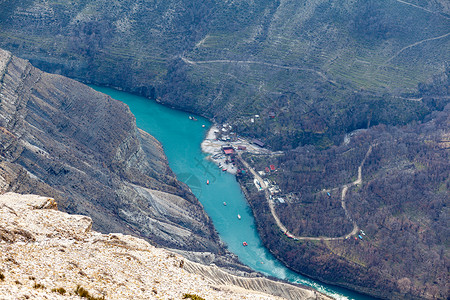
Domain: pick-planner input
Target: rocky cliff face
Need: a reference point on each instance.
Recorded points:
(62, 139)
(48, 254)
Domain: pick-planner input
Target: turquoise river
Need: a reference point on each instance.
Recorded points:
(181, 139)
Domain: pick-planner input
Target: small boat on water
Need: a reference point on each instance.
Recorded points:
(203, 126)
(207, 181)
(190, 117)
(244, 244)
(224, 204)
(239, 217)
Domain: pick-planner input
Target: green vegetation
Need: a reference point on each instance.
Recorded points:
(193, 297)
(324, 68)
(38, 286)
(401, 206)
(83, 293)
(60, 290)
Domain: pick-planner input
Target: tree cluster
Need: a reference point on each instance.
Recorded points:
(402, 207)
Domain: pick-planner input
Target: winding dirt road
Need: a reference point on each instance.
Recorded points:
(415, 44)
(422, 8)
(343, 204)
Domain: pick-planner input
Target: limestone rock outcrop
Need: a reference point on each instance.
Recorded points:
(48, 254)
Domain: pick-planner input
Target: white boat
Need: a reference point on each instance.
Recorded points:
(239, 217)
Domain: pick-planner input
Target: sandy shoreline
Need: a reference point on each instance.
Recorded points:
(213, 147)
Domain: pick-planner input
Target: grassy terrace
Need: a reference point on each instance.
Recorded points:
(331, 50)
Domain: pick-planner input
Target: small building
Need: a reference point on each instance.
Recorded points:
(242, 148)
(272, 115)
(258, 143)
(272, 168)
(267, 170)
(228, 150)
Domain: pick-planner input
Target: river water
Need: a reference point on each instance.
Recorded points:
(181, 139)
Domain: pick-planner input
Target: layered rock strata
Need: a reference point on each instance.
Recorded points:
(61, 138)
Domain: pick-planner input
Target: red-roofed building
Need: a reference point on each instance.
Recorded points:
(267, 170)
(272, 167)
(228, 150)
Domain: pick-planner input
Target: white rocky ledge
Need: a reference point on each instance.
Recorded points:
(42, 249)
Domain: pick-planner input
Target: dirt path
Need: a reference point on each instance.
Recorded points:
(343, 203)
(224, 61)
(415, 44)
(344, 193)
(422, 8)
(409, 99)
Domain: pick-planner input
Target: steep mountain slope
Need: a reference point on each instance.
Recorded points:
(63, 139)
(370, 214)
(47, 254)
(325, 67)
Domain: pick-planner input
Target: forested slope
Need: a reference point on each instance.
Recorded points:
(400, 207)
(323, 67)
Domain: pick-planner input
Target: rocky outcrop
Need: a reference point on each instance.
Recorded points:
(61, 138)
(224, 279)
(48, 254)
